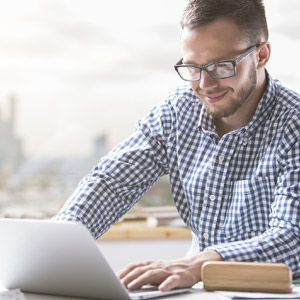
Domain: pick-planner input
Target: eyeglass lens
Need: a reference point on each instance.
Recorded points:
(216, 70)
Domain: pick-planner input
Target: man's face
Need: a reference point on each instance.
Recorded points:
(220, 40)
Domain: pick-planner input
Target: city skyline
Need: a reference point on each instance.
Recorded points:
(80, 69)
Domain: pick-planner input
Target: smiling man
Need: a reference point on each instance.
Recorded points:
(229, 140)
(231, 100)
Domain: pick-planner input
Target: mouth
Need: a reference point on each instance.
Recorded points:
(214, 98)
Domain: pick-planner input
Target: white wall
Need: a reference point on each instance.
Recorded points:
(119, 253)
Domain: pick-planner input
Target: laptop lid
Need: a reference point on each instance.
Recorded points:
(45, 257)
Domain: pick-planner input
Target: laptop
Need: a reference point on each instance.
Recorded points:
(45, 257)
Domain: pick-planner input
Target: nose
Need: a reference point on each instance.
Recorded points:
(206, 81)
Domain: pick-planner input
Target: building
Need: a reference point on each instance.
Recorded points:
(11, 154)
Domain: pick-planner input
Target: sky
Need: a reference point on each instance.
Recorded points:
(82, 68)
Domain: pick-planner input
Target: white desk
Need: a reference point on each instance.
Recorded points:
(196, 296)
(202, 295)
(188, 296)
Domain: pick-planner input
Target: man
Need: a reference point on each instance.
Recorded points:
(229, 142)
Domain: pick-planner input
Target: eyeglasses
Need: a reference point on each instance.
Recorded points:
(218, 70)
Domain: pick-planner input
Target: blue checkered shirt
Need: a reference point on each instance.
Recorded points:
(239, 194)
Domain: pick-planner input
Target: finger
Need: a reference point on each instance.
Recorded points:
(129, 268)
(134, 274)
(154, 277)
(171, 282)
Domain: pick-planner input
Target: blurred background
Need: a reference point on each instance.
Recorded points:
(76, 75)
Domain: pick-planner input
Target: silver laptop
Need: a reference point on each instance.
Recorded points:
(45, 257)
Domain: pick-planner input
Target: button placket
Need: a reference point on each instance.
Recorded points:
(217, 177)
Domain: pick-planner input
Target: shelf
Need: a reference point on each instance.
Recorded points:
(134, 231)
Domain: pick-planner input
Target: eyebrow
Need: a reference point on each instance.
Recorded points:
(214, 61)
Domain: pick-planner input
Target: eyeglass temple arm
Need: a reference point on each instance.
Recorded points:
(247, 53)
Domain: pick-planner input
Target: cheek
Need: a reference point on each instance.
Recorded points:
(244, 69)
(195, 86)
(221, 85)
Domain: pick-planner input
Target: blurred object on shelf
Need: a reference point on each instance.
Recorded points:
(149, 223)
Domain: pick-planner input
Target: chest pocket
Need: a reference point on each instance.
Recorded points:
(248, 212)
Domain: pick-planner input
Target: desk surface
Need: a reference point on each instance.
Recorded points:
(197, 295)
(188, 296)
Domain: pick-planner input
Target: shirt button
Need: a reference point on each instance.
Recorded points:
(221, 158)
(206, 235)
(245, 140)
(212, 197)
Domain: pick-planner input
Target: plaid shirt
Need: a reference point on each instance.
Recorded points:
(239, 194)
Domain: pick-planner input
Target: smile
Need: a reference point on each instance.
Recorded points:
(214, 98)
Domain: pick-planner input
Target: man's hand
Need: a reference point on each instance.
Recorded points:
(167, 275)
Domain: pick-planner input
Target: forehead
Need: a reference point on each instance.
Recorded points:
(220, 39)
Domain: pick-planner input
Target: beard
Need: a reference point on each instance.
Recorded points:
(242, 96)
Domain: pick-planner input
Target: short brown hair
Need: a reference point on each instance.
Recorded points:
(249, 15)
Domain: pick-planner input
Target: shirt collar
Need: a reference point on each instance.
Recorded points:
(264, 109)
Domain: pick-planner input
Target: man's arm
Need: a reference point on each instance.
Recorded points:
(122, 176)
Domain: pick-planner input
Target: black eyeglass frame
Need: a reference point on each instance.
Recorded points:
(234, 62)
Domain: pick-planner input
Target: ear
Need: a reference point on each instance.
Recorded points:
(263, 54)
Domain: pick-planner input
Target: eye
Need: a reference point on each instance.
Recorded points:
(192, 70)
(221, 69)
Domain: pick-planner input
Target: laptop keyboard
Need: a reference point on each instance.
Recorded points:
(150, 291)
